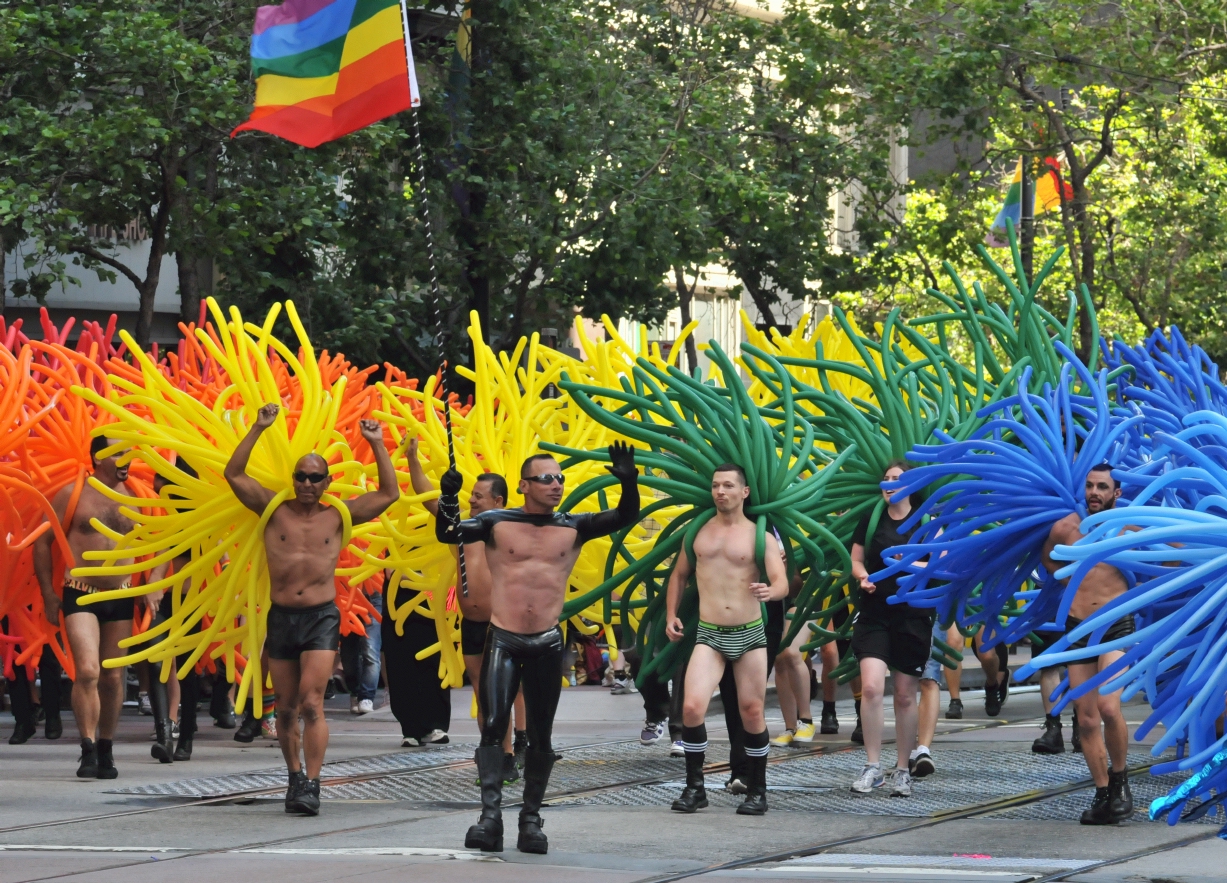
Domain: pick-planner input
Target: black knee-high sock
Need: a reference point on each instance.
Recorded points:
(757, 744)
(694, 739)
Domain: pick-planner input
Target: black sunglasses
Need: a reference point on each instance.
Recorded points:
(313, 477)
(548, 478)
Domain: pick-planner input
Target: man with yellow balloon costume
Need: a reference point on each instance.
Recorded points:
(303, 539)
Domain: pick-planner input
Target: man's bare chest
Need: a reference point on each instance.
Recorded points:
(513, 542)
(318, 533)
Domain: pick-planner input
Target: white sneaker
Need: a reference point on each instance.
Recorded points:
(677, 750)
(652, 732)
(410, 742)
(353, 705)
(365, 706)
(143, 705)
(436, 737)
(900, 783)
(871, 777)
(623, 687)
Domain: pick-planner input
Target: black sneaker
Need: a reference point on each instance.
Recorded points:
(921, 765)
(992, 700)
(858, 735)
(106, 761)
(298, 779)
(89, 760)
(954, 711)
(1003, 689)
(511, 772)
(54, 727)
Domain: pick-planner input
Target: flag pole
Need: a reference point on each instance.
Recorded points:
(414, 101)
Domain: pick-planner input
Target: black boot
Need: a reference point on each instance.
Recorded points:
(162, 750)
(694, 795)
(1075, 739)
(511, 772)
(755, 803)
(1100, 812)
(89, 760)
(54, 727)
(183, 751)
(537, 766)
(309, 798)
(487, 834)
(249, 730)
(830, 722)
(106, 761)
(858, 735)
(1120, 798)
(22, 733)
(293, 791)
(1051, 742)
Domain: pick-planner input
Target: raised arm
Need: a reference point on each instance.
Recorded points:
(42, 559)
(449, 528)
(372, 505)
(250, 492)
(622, 466)
(673, 595)
(421, 484)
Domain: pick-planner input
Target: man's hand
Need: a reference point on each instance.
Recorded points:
(412, 449)
(675, 629)
(372, 431)
(153, 600)
(51, 606)
(450, 483)
(867, 585)
(266, 415)
(761, 591)
(622, 461)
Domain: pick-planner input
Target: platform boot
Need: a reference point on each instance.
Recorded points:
(487, 834)
(537, 766)
(162, 749)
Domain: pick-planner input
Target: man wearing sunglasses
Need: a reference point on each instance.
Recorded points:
(302, 542)
(530, 552)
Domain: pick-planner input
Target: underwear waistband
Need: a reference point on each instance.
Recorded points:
(314, 608)
(85, 588)
(732, 628)
(494, 628)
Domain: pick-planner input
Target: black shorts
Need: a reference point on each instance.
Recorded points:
(1047, 639)
(902, 639)
(293, 631)
(118, 610)
(1120, 628)
(473, 636)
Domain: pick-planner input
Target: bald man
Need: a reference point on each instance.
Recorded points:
(303, 540)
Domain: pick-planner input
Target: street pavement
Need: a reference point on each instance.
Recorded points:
(993, 812)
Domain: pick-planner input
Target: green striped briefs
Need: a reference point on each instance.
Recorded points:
(732, 641)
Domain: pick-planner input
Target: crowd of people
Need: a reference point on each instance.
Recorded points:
(517, 563)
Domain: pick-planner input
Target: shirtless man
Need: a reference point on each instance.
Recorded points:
(730, 631)
(303, 541)
(1113, 800)
(93, 630)
(489, 492)
(530, 552)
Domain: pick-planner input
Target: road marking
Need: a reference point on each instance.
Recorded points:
(40, 848)
(457, 854)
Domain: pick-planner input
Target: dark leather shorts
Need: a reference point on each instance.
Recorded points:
(473, 636)
(293, 631)
(1120, 628)
(118, 610)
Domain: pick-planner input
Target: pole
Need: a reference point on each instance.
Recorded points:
(420, 154)
(1027, 218)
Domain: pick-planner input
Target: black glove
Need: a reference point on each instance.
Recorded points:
(450, 483)
(622, 462)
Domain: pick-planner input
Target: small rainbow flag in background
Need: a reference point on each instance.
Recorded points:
(325, 68)
(1048, 189)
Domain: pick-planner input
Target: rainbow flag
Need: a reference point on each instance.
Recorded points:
(1049, 191)
(325, 68)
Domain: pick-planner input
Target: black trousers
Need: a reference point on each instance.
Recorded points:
(49, 670)
(419, 702)
(512, 661)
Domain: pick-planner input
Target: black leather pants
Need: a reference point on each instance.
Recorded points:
(510, 661)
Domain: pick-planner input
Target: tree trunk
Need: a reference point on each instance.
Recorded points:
(753, 284)
(157, 250)
(685, 297)
(2, 269)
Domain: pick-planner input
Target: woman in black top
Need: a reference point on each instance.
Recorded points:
(884, 635)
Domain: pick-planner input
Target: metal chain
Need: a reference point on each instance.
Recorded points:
(434, 293)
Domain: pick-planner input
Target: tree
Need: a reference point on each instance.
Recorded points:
(1037, 79)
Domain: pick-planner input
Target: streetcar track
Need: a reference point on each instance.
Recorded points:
(938, 818)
